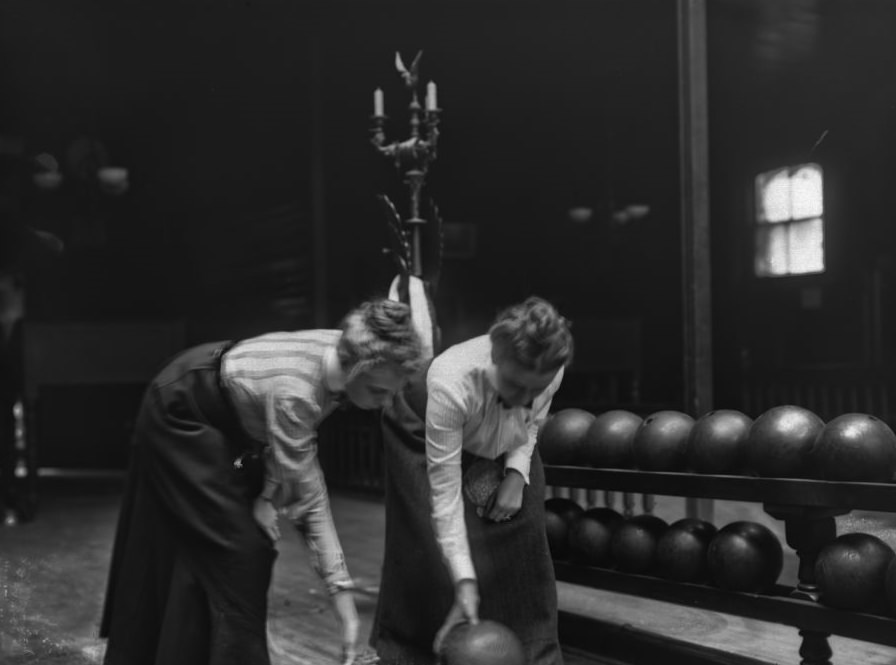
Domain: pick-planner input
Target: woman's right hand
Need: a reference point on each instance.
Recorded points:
(349, 625)
(266, 517)
(465, 609)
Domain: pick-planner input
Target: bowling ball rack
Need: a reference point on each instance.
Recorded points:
(807, 509)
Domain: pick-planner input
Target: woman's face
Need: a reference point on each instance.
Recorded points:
(374, 388)
(517, 385)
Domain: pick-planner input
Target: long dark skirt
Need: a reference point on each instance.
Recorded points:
(190, 568)
(513, 565)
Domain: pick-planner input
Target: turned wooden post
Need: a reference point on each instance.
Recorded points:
(807, 530)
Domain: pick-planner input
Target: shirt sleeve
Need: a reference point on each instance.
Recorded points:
(313, 520)
(520, 459)
(293, 470)
(444, 445)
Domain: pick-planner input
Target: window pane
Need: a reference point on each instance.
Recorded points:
(806, 189)
(771, 250)
(774, 197)
(806, 246)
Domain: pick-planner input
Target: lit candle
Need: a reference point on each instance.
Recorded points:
(378, 104)
(431, 103)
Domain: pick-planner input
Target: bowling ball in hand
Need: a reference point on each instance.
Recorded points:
(851, 572)
(485, 643)
(718, 441)
(609, 441)
(745, 556)
(681, 550)
(562, 437)
(780, 441)
(855, 447)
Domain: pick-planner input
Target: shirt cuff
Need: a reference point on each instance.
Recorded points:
(340, 581)
(269, 491)
(521, 465)
(462, 568)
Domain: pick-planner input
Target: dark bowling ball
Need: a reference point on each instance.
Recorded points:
(718, 441)
(633, 544)
(855, 447)
(745, 556)
(559, 513)
(590, 534)
(562, 437)
(851, 572)
(890, 587)
(780, 442)
(661, 442)
(485, 643)
(681, 550)
(610, 438)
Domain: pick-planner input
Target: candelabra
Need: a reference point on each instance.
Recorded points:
(411, 157)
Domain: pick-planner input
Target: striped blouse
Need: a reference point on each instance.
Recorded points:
(463, 413)
(282, 386)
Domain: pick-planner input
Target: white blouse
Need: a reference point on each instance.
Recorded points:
(463, 413)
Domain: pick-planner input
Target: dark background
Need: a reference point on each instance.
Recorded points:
(242, 124)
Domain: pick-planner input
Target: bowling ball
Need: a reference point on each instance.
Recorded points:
(485, 643)
(745, 556)
(482, 479)
(681, 550)
(855, 447)
(780, 441)
(559, 513)
(608, 443)
(633, 544)
(661, 442)
(890, 587)
(851, 572)
(590, 534)
(718, 440)
(562, 437)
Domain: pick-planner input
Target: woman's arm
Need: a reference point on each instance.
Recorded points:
(444, 446)
(303, 498)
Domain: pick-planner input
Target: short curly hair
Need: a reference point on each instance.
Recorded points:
(534, 335)
(379, 332)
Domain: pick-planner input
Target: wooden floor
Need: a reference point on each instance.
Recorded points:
(53, 573)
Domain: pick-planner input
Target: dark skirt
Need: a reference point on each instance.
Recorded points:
(513, 565)
(190, 568)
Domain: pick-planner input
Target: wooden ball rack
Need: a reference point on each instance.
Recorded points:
(807, 508)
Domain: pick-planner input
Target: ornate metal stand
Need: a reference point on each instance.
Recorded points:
(412, 157)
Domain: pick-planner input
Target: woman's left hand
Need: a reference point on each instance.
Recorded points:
(508, 499)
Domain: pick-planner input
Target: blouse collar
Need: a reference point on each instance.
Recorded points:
(334, 376)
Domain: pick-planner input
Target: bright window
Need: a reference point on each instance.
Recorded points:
(789, 227)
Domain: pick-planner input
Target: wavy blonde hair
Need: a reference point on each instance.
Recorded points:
(379, 332)
(534, 335)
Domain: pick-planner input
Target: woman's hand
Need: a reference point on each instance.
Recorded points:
(349, 625)
(266, 516)
(465, 608)
(508, 499)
